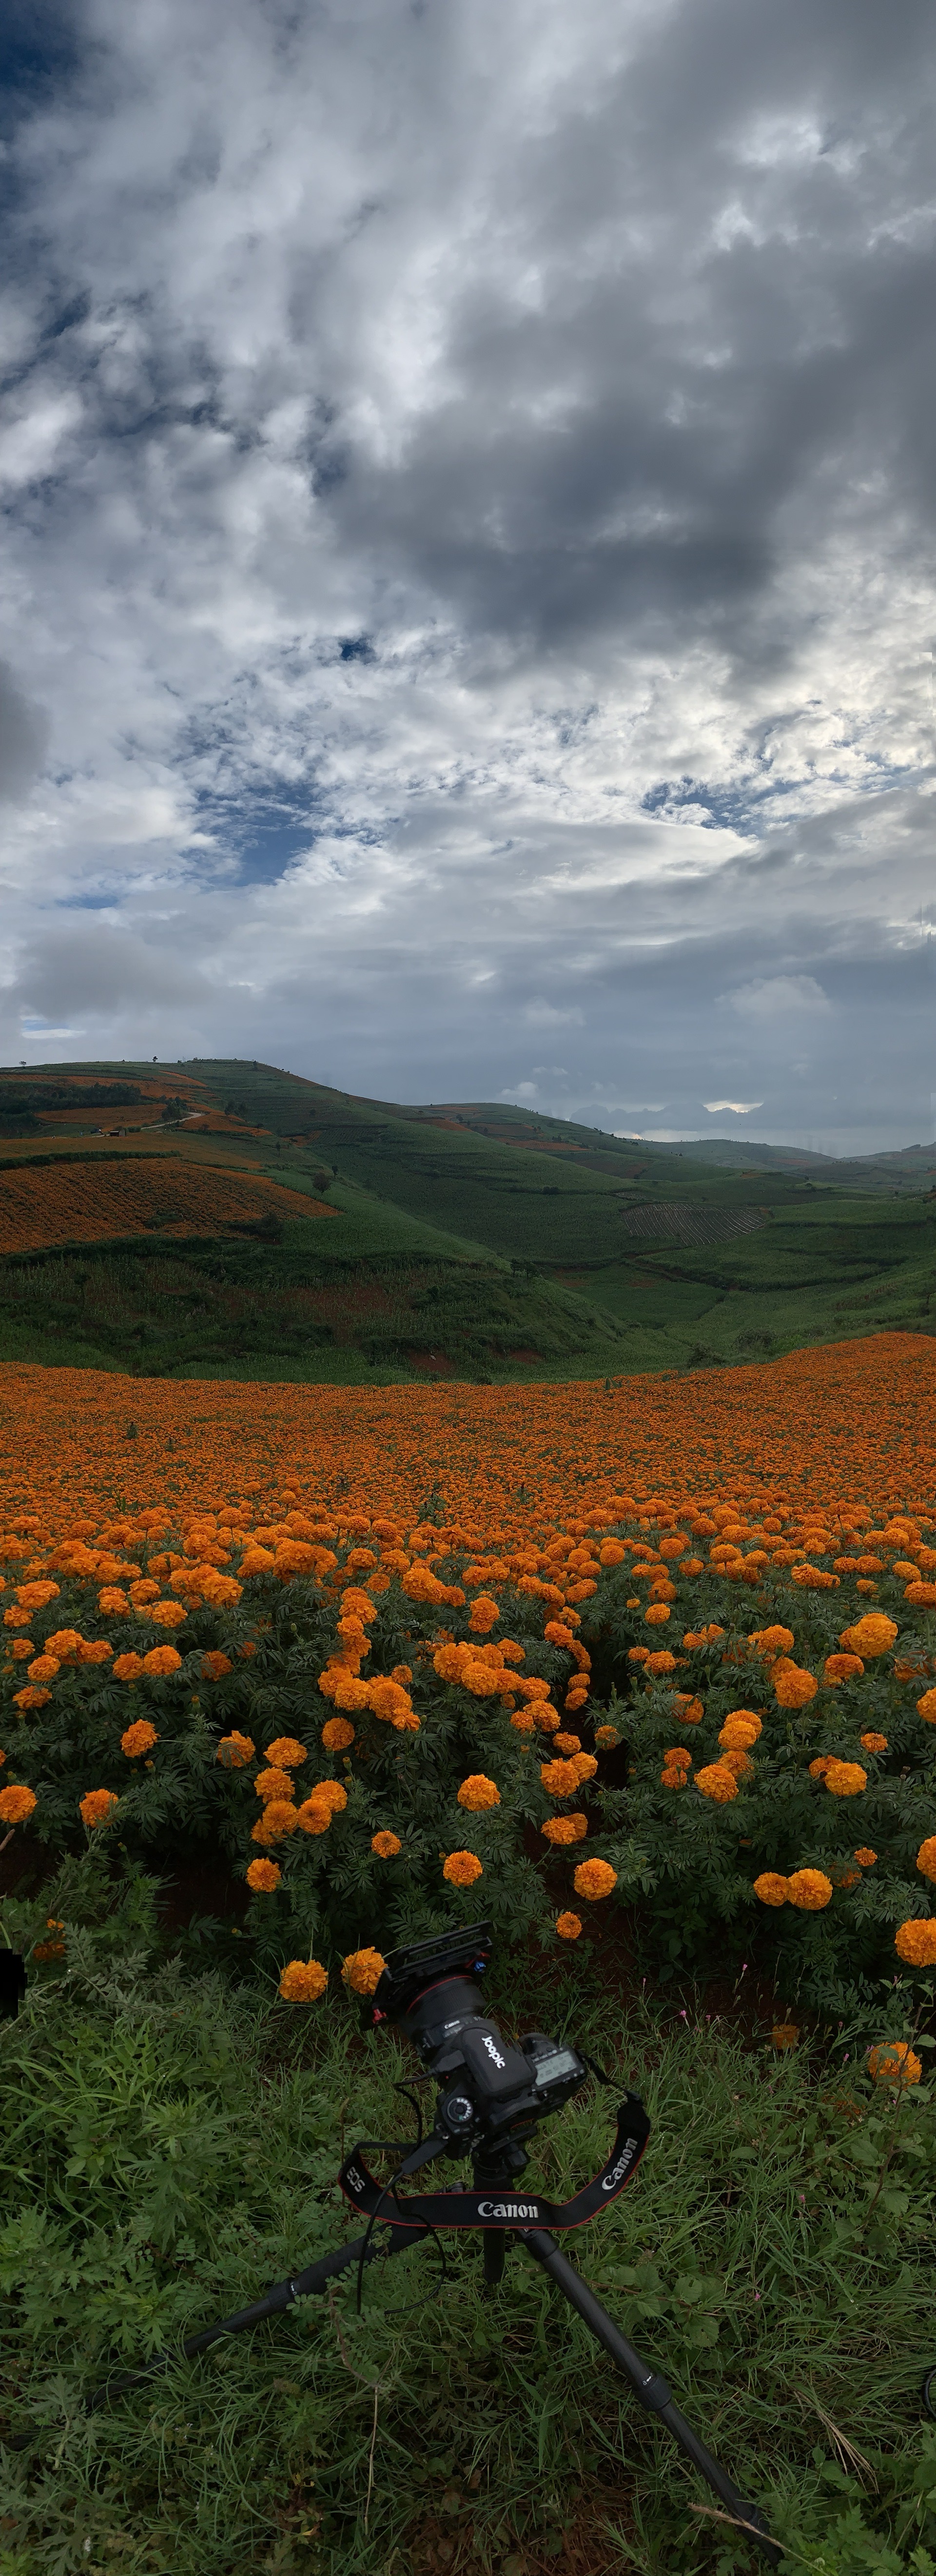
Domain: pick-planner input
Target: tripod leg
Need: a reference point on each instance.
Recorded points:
(648, 2385)
(495, 2249)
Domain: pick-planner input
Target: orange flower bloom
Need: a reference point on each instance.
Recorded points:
(362, 1970)
(263, 1876)
(462, 1868)
(235, 1751)
(273, 1784)
(771, 1888)
(560, 1778)
(303, 1981)
(793, 1687)
(874, 1743)
(607, 1736)
(162, 1659)
(568, 1926)
(337, 1735)
(869, 1636)
(841, 1668)
(926, 1707)
(845, 1779)
(895, 2063)
(565, 1829)
(215, 1665)
(97, 1807)
(478, 1792)
(865, 1858)
(30, 1697)
(128, 1668)
(926, 1857)
(716, 1781)
(386, 1845)
(485, 1614)
(17, 1804)
(916, 1941)
(654, 1617)
(279, 1817)
(741, 1729)
(810, 1890)
(313, 1817)
(97, 1650)
(139, 1738)
(286, 1752)
(594, 1879)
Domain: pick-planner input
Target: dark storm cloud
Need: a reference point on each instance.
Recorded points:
(470, 497)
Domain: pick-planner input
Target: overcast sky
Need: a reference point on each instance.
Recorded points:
(468, 482)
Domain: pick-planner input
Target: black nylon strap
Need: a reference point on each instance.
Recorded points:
(500, 2208)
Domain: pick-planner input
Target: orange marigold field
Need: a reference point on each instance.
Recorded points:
(80, 1202)
(686, 1631)
(847, 1429)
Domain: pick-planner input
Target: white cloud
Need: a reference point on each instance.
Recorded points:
(420, 672)
(739, 1108)
(775, 996)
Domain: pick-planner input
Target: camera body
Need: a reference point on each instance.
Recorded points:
(491, 2095)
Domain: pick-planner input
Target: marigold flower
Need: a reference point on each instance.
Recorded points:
(97, 1807)
(478, 1792)
(657, 1614)
(916, 1941)
(30, 1697)
(95, 1650)
(926, 1707)
(594, 1879)
(771, 1888)
(568, 1926)
(65, 1643)
(485, 1614)
(139, 1738)
(841, 1668)
(279, 1817)
(21, 1650)
(235, 1751)
(263, 1876)
(386, 1845)
(313, 1817)
(606, 1736)
(112, 1601)
(716, 1781)
(337, 1735)
(362, 1970)
(567, 1743)
(785, 2034)
(772, 1641)
(922, 1595)
(565, 1829)
(741, 1729)
(127, 1668)
(662, 1662)
(895, 2063)
(673, 1777)
(865, 1858)
(287, 1753)
(845, 1779)
(559, 1778)
(273, 1784)
(167, 1614)
(36, 1596)
(810, 1890)
(462, 1868)
(303, 1981)
(926, 1857)
(162, 1659)
(793, 1687)
(215, 1665)
(874, 1743)
(17, 1804)
(869, 1636)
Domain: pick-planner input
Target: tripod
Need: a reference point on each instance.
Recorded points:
(495, 2177)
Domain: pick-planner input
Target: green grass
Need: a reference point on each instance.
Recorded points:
(171, 2145)
(368, 1296)
(461, 1245)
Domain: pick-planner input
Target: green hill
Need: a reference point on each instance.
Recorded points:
(483, 1241)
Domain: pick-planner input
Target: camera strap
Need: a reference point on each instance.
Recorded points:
(495, 2207)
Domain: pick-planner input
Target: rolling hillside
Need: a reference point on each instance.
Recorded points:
(465, 1240)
